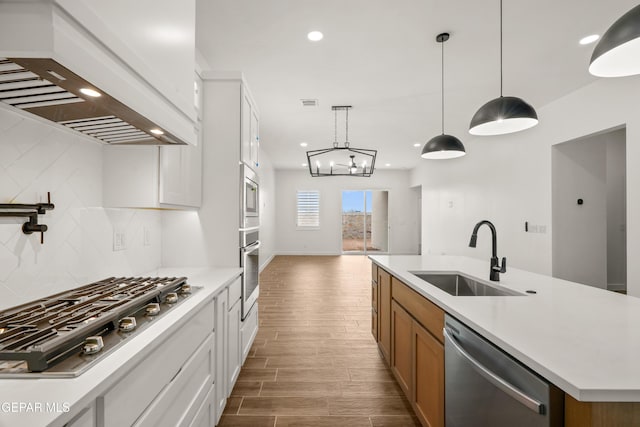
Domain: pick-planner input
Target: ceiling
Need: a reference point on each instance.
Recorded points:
(381, 57)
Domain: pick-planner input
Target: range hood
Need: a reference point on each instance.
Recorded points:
(66, 62)
(45, 88)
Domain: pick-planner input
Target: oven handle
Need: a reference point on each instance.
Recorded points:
(503, 385)
(252, 247)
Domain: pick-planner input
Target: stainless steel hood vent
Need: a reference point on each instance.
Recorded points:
(45, 88)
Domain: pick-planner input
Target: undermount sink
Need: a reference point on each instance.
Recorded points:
(463, 286)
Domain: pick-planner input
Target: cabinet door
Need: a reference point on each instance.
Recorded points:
(86, 418)
(234, 349)
(221, 336)
(245, 134)
(384, 314)
(181, 175)
(401, 354)
(428, 395)
(255, 139)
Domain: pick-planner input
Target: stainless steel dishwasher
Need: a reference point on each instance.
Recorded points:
(484, 386)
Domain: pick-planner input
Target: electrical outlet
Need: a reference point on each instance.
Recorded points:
(146, 233)
(118, 241)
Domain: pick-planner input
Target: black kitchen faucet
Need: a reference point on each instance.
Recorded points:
(496, 268)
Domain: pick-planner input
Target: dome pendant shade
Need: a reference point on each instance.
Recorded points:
(506, 114)
(443, 147)
(617, 54)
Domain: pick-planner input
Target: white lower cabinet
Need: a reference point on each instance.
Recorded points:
(234, 348)
(206, 415)
(163, 376)
(248, 331)
(86, 418)
(222, 338)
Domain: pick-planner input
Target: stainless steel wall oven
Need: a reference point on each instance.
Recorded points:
(250, 263)
(249, 198)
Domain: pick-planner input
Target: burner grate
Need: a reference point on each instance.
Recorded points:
(40, 331)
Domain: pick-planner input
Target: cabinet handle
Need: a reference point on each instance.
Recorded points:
(503, 385)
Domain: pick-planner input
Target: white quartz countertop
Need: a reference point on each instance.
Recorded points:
(585, 340)
(23, 402)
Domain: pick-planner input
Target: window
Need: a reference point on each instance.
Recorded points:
(308, 204)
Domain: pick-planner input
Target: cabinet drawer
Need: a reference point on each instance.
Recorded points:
(86, 418)
(179, 401)
(124, 402)
(424, 311)
(235, 291)
(206, 417)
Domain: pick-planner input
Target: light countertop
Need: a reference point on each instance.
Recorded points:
(585, 340)
(79, 392)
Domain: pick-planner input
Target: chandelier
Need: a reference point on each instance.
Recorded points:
(341, 160)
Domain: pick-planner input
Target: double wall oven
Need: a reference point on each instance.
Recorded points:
(249, 237)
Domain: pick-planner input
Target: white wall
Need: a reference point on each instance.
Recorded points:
(579, 240)
(78, 247)
(268, 203)
(507, 179)
(403, 218)
(380, 219)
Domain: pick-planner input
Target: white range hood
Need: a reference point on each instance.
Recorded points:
(47, 57)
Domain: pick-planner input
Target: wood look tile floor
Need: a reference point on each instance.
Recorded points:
(314, 362)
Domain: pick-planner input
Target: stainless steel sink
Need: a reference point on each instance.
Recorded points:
(461, 285)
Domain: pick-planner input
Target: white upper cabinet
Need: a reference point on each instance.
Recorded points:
(142, 53)
(250, 146)
(152, 177)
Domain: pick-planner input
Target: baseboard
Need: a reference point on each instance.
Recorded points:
(299, 253)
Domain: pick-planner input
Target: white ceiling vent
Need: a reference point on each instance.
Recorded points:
(309, 103)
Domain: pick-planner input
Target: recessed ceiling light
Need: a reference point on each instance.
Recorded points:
(304, 165)
(387, 164)
(90, 92)
(589, 39)
(157, 132)
(315, 36)
(417, 144)
(303, 144)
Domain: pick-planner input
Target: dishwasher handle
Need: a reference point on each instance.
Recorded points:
(503, 385)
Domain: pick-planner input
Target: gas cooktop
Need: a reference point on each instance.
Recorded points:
(64, 334)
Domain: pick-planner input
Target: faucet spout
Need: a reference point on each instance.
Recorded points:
(496, 268)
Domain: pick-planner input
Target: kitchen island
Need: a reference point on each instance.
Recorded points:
(84, 400)
(582, 339)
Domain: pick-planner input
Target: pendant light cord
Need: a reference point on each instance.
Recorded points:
(501, 48)
(442, 87)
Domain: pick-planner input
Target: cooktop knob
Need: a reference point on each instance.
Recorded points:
(152, 309)
(171, 298)
(127, 324)
(92, 345)
(185, 289)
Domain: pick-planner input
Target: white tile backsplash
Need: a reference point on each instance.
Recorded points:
(78, 247)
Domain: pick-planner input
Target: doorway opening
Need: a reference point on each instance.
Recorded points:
(589, 208)
(365, 221)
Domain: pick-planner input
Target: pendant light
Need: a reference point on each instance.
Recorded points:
(617, 54)
(443, 146)
(506, 114)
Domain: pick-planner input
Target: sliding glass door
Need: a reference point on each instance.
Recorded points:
(365, 221)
